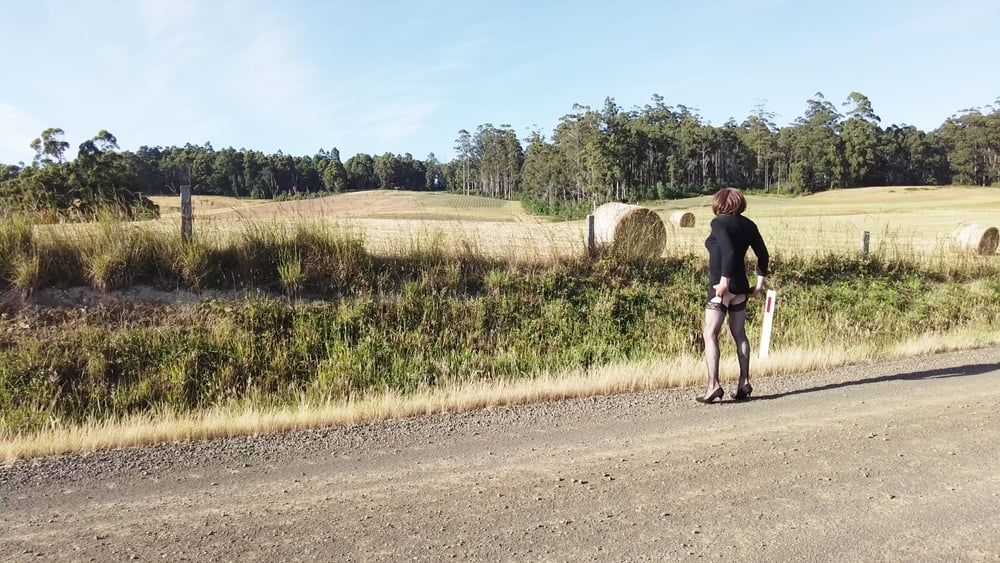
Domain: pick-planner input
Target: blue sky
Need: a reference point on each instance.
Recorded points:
(405, 76)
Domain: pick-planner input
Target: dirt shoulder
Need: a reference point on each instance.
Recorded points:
(894, 461)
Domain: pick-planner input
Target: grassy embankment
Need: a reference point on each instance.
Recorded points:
(428, 328)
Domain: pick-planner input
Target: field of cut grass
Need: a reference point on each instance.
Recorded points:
(903, 221)
(373, 204)
(387, 221)
(204, 205)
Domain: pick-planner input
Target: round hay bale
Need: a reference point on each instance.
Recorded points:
(976, 238)
(629, 230)
(683, 219)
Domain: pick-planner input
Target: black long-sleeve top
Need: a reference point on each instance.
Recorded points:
(727, 248)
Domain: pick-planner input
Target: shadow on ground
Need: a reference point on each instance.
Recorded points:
(957, 371)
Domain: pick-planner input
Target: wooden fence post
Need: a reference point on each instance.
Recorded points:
(865, 238)
(591, 243)
(186, 216)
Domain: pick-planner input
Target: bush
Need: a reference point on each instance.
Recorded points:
(560, 210)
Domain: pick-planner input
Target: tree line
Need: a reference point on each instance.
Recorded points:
(591, 156)
(662, 151)
(102, 176)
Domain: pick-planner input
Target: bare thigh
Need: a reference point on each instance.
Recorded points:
(730, 299)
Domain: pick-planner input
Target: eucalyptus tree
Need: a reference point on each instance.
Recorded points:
(49, 147)
(760, 133)
(387, 168)
(972, 139)
(434, 174)
(361, 171)
(464, 151)
(817, 161)
(499, 157)
(545, 175)
(577, 136)
(9, 171)
(909, 156)
(254, 163)
(226, 176)
(613, 154)
(102, 177)
(190, 165)
(335, 176)
(860, 136)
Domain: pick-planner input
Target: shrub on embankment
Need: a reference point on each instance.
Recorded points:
(421, 318)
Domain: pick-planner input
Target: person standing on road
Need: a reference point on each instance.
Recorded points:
(729, 289)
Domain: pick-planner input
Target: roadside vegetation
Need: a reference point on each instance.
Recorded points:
(306, 317)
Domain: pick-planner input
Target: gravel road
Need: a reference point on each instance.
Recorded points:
(896, 461)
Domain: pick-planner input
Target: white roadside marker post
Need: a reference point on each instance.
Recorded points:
(770, 304)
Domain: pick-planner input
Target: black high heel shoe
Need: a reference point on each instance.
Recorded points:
(717, 394)
(743, 393)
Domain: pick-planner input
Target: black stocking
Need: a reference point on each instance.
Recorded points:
(737, 327)
(715, 315)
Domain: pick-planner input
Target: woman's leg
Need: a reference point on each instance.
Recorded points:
(715, 315)
(737, 327)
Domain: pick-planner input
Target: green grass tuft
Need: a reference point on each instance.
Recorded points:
(192, 262)
(26, 273)
(15, 240)
(292, 274)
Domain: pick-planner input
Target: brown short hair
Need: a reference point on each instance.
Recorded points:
(729, 201)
